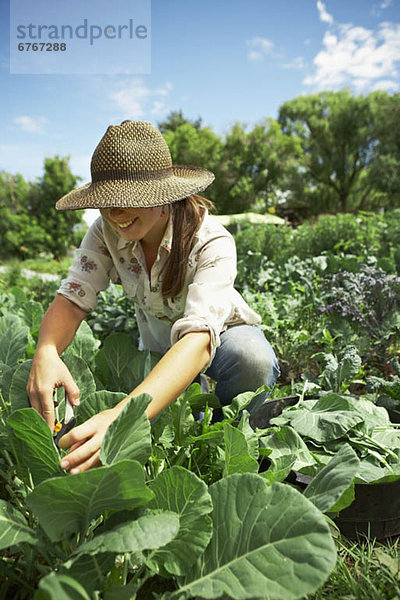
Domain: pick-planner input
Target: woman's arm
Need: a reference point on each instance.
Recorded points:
(169, 378)
(48, 371)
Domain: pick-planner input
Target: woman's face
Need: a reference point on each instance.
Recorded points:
(133, 224)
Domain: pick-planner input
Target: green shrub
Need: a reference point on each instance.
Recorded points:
(272, 241)
(352, 234)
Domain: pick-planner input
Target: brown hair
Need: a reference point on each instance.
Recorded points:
(187, 215)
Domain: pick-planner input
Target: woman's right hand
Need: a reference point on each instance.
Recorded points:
(48, 372)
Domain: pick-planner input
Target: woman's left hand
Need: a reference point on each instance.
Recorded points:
(85, 442)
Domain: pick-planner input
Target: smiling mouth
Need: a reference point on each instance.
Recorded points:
(127, 224)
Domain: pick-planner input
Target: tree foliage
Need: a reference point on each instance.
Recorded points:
(256, 166)
(29, 222)
(350, 151)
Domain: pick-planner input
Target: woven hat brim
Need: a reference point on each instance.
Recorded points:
(125, 193)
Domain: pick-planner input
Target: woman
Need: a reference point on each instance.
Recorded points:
(175, 261)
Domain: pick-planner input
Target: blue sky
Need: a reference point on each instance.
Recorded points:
(222, 60)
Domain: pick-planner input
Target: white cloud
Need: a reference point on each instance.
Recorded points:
(385, 84)
(296, 63)
(357, 56)
(324, 16)
(377, 9)
(132, 98)
(259, 47)
(30, 124)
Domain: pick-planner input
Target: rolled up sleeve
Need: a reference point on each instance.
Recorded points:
(209, 298)
(90, 270)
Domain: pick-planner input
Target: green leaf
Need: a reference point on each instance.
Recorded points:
(182, 420)
(333, 480)
(60, 587)
(345, 499)
(84, 344)
(13, 344)
(198, 401)
(237, 455)
(7, 321)
(33, 442)
(17, 391)
(267, 540)
(330, 418)
(76, 499)
(90, 571)
(279, 469)
(6, 374)
(94, 403)
(232, 410)
(32, 314)
(129, 435)
(124, 361)
(102, 371)
(148, 532)
(349, 366)
(286, 451)
(81, 374)
(250, 435)
(13, 527)
(182, 492)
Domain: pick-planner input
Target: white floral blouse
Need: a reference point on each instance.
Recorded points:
(208, 300)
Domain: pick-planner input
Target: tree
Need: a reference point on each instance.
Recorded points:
(256, 166)
(199, 147)
(385, 169)
(175, 119)
(29, 222)
(56, 181)
(337, 134)
(21, 236)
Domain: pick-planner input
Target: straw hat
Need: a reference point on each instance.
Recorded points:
(132, 166)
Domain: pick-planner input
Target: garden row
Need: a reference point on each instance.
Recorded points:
(195, 509)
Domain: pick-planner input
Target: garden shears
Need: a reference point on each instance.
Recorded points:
(66, 424)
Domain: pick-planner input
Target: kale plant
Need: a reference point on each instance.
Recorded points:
(369, 298)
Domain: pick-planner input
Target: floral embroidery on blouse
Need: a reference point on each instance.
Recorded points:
(76, 288)
(135, 266)
(236, 315)
(88, 265)
(121, 260)
(218, 311)
(104, 250)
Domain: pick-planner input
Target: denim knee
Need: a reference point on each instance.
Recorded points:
(244, 362)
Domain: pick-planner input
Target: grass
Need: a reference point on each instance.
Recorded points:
(365, 570)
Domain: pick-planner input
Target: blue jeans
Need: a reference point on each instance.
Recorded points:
(243, 362)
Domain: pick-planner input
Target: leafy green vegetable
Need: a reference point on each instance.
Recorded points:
(261, 541)
(179, 490)
(129, 435)
(13, 527)
(77, 499)
(329, 485)
(33, 446)
(152, 530)
(237, 455)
